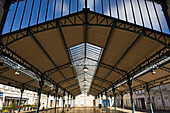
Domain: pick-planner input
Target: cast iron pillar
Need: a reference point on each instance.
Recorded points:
(71, 101)
(47, 101)
(63, 101)
(106, 102)
(113, 90)
(5, 14)
(68, 102)
(122, 103)
(74, 100)
(162, 97)
(129, 83)
(22, 91)
(102, 100)
(149, 98)
(41, 83)
(56, 92)
(58, 102)
(98, 101)
(111, 101)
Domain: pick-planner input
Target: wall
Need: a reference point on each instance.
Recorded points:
(84, 101)
(156, 98)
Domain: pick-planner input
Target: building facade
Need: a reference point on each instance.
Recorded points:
(160, 97)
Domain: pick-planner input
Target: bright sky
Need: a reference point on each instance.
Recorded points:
(81, 3)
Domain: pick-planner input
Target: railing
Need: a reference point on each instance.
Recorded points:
(146, 13)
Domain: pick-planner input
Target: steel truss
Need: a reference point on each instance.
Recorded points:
(18, 84)
(159, 81)
(163, 53)
(106, 21)
(13, 56)
(70, 20)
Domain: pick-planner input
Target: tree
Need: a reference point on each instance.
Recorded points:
(14, 106)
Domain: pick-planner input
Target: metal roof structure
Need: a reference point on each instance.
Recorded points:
(53, 45)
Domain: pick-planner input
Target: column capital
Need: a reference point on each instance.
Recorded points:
(129, 82)
(147, 87)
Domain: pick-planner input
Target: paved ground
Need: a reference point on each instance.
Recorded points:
(90, 110)
(96, 110)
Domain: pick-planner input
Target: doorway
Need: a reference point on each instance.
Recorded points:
(143, 103)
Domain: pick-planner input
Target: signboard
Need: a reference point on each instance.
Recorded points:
(1, 94)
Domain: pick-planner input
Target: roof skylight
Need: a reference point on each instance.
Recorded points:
(83, 56)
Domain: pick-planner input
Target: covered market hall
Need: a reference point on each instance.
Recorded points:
(84, 56)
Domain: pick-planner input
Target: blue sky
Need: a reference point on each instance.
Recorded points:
(81, 4)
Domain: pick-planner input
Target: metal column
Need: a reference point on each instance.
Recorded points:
(162, 97)
(56, 91)
(111, 101)
(68, 102)
(98, 100)
(115, 104)
(102, 100)
(71, 102)
(47, 101)
(22, 91)
(129, 83)
(58, 102)
(63, 101)
(41, 83)
(122, 103)
(113, 90)
(106, 102)
(148, 90)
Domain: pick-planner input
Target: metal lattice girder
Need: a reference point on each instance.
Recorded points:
(29, 82)
(52, 71)
(98, 85)
(160, 80)
(71, 86)
(117, 70)
(165, 69)
(164, 52)
(65, 81)
(105, 81)
(4, 70)
(119, 24)
(151, 83)
(74, 89)
(95, 89)
(16, 83)
(13, 56)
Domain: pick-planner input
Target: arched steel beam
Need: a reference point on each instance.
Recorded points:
(151, 83)
(74, 90)
(161, 54)
(65, 45)
(71, 86)
(165, 69)
(15, 57)
(4, 70)
(17, 84)
(124, 54)
(69, 79)
(152, 34)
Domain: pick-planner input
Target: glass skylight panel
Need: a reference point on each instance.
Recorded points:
(89, 60)
(21, 16)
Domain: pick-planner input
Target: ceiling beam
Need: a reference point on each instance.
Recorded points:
(65, 45)
(161, 54)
